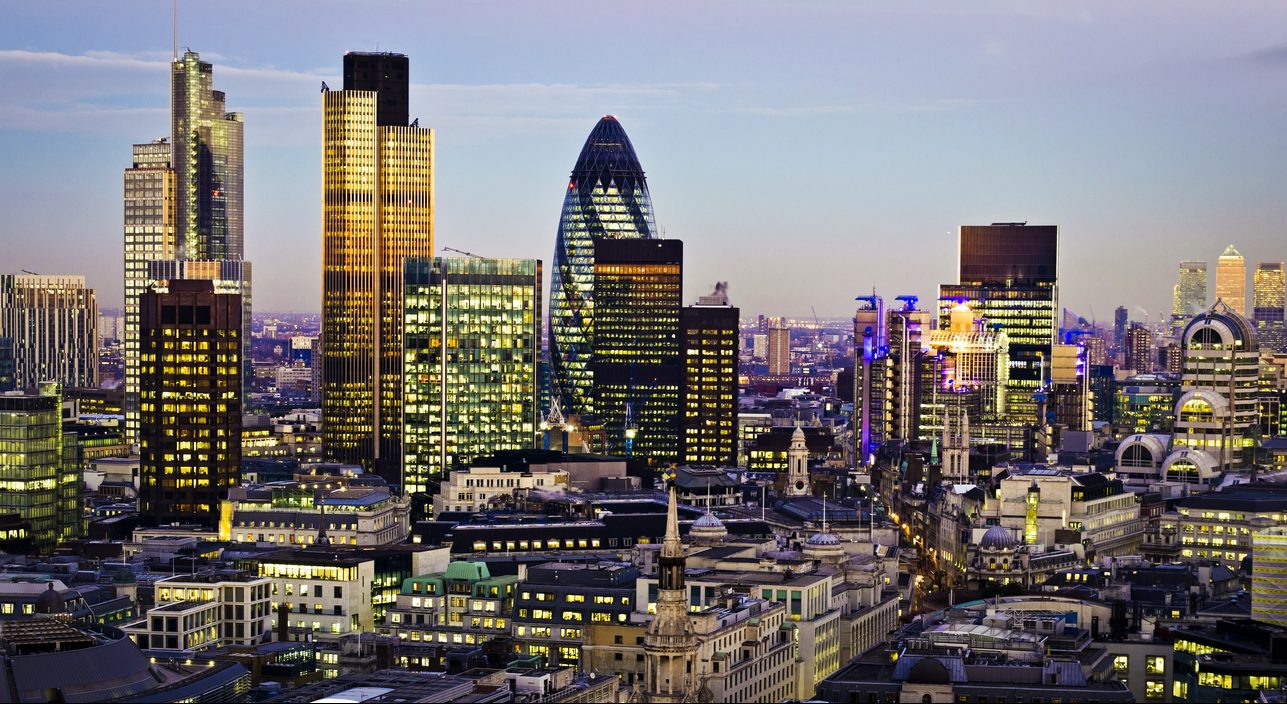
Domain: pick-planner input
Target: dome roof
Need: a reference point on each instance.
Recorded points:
(1152, 443)
(997, 538)
(708, 521)
(822, 539)
(1223, 325)
(50, 602)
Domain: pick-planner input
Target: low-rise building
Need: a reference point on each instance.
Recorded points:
(464, 605)
(471, 490)
(297, 512)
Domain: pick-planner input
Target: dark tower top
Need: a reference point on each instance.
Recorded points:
(386, 74)
(1009, 254)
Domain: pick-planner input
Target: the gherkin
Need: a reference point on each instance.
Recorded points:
(607, 197)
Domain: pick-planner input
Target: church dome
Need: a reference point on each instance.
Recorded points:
(823, 539)
(708, 530)
(997, 538)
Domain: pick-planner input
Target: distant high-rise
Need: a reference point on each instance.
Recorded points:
(472, 337)
(189, 401)
(1190, 294)
(1121, 323)
(53, 321)
(209, 164)
(607, 198)
(8, 366)
(41, 481)
(779, 351)
(1139, 349)
(149, 236)
(637, 371)
(377, 211)
(1268, 297)
(1008, 276)
(710, 380)
(870, 346)
(1231, 280)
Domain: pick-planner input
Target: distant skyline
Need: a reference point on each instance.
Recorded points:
(804, 151)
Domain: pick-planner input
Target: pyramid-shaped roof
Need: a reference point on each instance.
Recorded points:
(1231, 252)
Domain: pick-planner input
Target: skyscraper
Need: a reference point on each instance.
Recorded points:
(710, 380)
(1121, 323)
(870, 347)
(607, 198)
(1268, 295)
(1139, 349)
(53, 321)
(209, 164)
(149, 236)
(1190, 294)
(1008, 276)
(37, 482)
(637, 372)
(472, 337)
(779, 358)
(1231, 280)
(377, 211)
(189, 400)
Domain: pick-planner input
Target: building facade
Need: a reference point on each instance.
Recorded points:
(37, 482)
(779, 350)
(149, 206)
(53, 322)
(709, 332)
(472, 335)
(190, 378)
(607, 198)
(1268, 298)
(1190, 294)
(377, 211)
(637, 368)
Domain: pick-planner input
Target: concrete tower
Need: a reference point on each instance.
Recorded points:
(956, 445)
(798, 466)
(670, 645)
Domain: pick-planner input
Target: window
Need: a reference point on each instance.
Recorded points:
(1154, 689)
(1155, 665)
(1121, 664)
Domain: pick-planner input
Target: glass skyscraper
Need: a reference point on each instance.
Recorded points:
(710, 380)
(1008, 275)
(377, 211)
(53, 321)
(1190, 295)
(472, 336)
(607, 197)
(637, 372)
(1231, 280)
(38, 480)
(208, 162)
(1268, 298)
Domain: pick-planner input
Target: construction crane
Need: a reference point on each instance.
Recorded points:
(461, 251)
(818, 324)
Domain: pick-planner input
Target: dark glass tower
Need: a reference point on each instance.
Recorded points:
(637, 373)
(388, 76)
(1008, 276)
(710, 381)
(607, 197)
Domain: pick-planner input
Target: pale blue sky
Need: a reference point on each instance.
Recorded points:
(804, 151)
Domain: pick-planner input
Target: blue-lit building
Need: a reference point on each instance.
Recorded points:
(607, 197)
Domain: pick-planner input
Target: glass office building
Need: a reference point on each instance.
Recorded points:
(1190, 295)
(53, 322)
(209, 164)
(637, 372)
(1008, 276)
(1268, 298)
(472, 336)
(377, 211)
(37, 483)
(607, 198)
(710, 331)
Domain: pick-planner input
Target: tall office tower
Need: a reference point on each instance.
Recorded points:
(1190, 294)
(227, 276)
(607, 198)
(1216, 415)
(1121, 323)
(53, 322)
(1103, 393)
(637, 372)
(149, 236)
(976, 361)
(39, 485)
(779, 350)
(8, 365)
(710, 380)
(1231, 280)
(1008, 276)
(1268, 295)
(189, 400)
(907, 376)
(473, 338)
(1139, 349)
(208, 162)
(870, 347)
(377, 211)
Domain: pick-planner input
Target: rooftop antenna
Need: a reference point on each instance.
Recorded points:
(174, 25)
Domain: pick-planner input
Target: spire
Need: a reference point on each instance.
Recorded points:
(671, 546)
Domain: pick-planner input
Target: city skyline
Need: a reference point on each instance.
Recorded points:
(1118, 185)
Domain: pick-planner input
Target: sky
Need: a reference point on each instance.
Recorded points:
(806, 152)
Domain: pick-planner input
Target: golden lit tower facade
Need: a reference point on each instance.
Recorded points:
(377, 211)
(473, 338)
(1231, 280)
(1268, 295)
(189, 400)
(149, 236)
(710, 331)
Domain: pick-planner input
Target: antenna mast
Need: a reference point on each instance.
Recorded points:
(174, 25)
